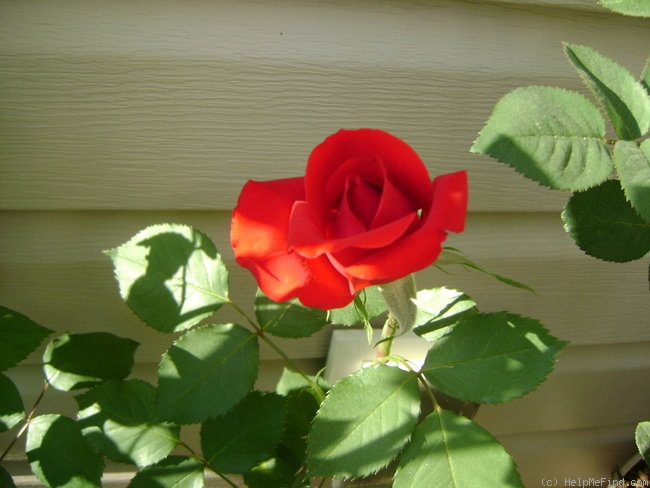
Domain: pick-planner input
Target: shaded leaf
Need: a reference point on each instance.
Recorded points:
(6, 480)
(550, 135)
(450, 451)
(246, 435)
(60, 456)
(19, 337)
(173, 472)
(439, 308)
(623, 97)
(636, 8)
(74, 361)
(633, 165)
(604, 225)
(171, 276)
(12, 410)
(288, 319)
(119, 418)
(364, 422)
(491, 358)
(642, 437)
(206, 372)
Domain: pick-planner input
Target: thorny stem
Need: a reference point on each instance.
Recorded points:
(28, 419)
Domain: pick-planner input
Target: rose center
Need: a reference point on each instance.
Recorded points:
(363, 199)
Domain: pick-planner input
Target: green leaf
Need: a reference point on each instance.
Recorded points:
(12, 410)
(636, 8)
(622, 96)
(364, 422)
(246, 435)
(173, 472)
(206, 372)
(642, 437)
(59, 455)
(275, 472)
(550, 135)
(288, 319)
(367, 305)
(119, 418)
(74, 361)
(604, 225)
(491, 358)
(450, 451)
(5, 479)
(171, 276)
(292, 381)
(440, 308)
(633, 165)
(19, 337)
(645, 77)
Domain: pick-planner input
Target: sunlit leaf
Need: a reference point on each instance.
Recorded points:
(206, 372)
(625, 100)
(74, 361)
(60, 456)
(636, 8)
(171, 276)
(491, 358)
(633, 165)
(550, 135)
(246, 435)
(450, 451)
(364, 422)
(604, 225)
(642, 437)
(12, 411)
(439, 308)
(288, 319)
(19, 337)
(173, 472)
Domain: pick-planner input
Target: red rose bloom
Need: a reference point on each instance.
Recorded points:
(365, 213)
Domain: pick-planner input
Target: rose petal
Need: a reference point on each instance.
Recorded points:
(418, 250)
(307, 239)
(259, 235)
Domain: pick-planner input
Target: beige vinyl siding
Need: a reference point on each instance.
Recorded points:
(118, 115)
